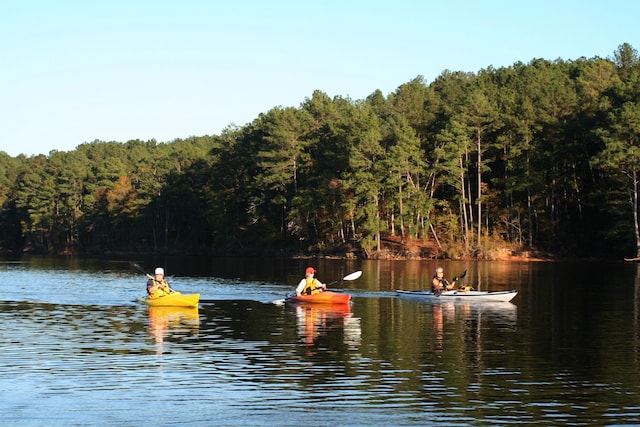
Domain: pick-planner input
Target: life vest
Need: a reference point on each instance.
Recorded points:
(312, 287)
(162, 288)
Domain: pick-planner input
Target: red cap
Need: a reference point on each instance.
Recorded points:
(310, 270)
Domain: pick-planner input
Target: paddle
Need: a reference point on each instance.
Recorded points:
(351, 276)
(455, 279)
(462, 288)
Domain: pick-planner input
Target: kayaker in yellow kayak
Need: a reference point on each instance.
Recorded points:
(158, 286)
(310, 285)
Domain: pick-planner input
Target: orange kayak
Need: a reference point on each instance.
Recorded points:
(326, 297)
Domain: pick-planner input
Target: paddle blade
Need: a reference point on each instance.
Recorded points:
(353, 276)
(455, 279)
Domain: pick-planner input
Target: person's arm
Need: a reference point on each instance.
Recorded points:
(151, 286)
(300, 287)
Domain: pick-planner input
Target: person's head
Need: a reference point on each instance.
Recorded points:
(439, 271)
(310, 271)
(159, 272)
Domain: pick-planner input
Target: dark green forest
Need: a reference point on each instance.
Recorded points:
(542, 156)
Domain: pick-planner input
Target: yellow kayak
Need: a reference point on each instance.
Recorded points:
(173, 300)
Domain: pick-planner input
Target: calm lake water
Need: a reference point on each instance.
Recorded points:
(77, 350)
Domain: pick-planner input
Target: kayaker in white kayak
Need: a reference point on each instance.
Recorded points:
(158, 286)
(309, 285)
(439, 283)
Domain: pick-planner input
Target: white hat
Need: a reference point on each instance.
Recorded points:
(160, 270)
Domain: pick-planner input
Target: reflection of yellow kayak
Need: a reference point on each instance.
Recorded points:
(167, 321)
(173, 300)
(174, 314)
(162, 319)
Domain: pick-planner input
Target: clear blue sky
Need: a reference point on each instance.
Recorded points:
(76, 71)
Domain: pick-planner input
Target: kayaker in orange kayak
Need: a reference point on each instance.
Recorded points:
(310, 285)
(158, 286)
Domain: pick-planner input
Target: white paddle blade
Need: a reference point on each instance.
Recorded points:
(353, 276)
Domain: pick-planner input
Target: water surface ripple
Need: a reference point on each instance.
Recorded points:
(68, 359)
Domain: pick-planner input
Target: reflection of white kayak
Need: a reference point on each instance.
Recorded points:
(470, 296)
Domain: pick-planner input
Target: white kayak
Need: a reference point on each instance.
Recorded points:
(470, 296)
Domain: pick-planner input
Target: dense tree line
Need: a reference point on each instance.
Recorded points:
(541, 155)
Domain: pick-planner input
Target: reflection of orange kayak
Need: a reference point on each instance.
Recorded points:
(326, 297)
(314, 320)
(331, 311)
(173, 300)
